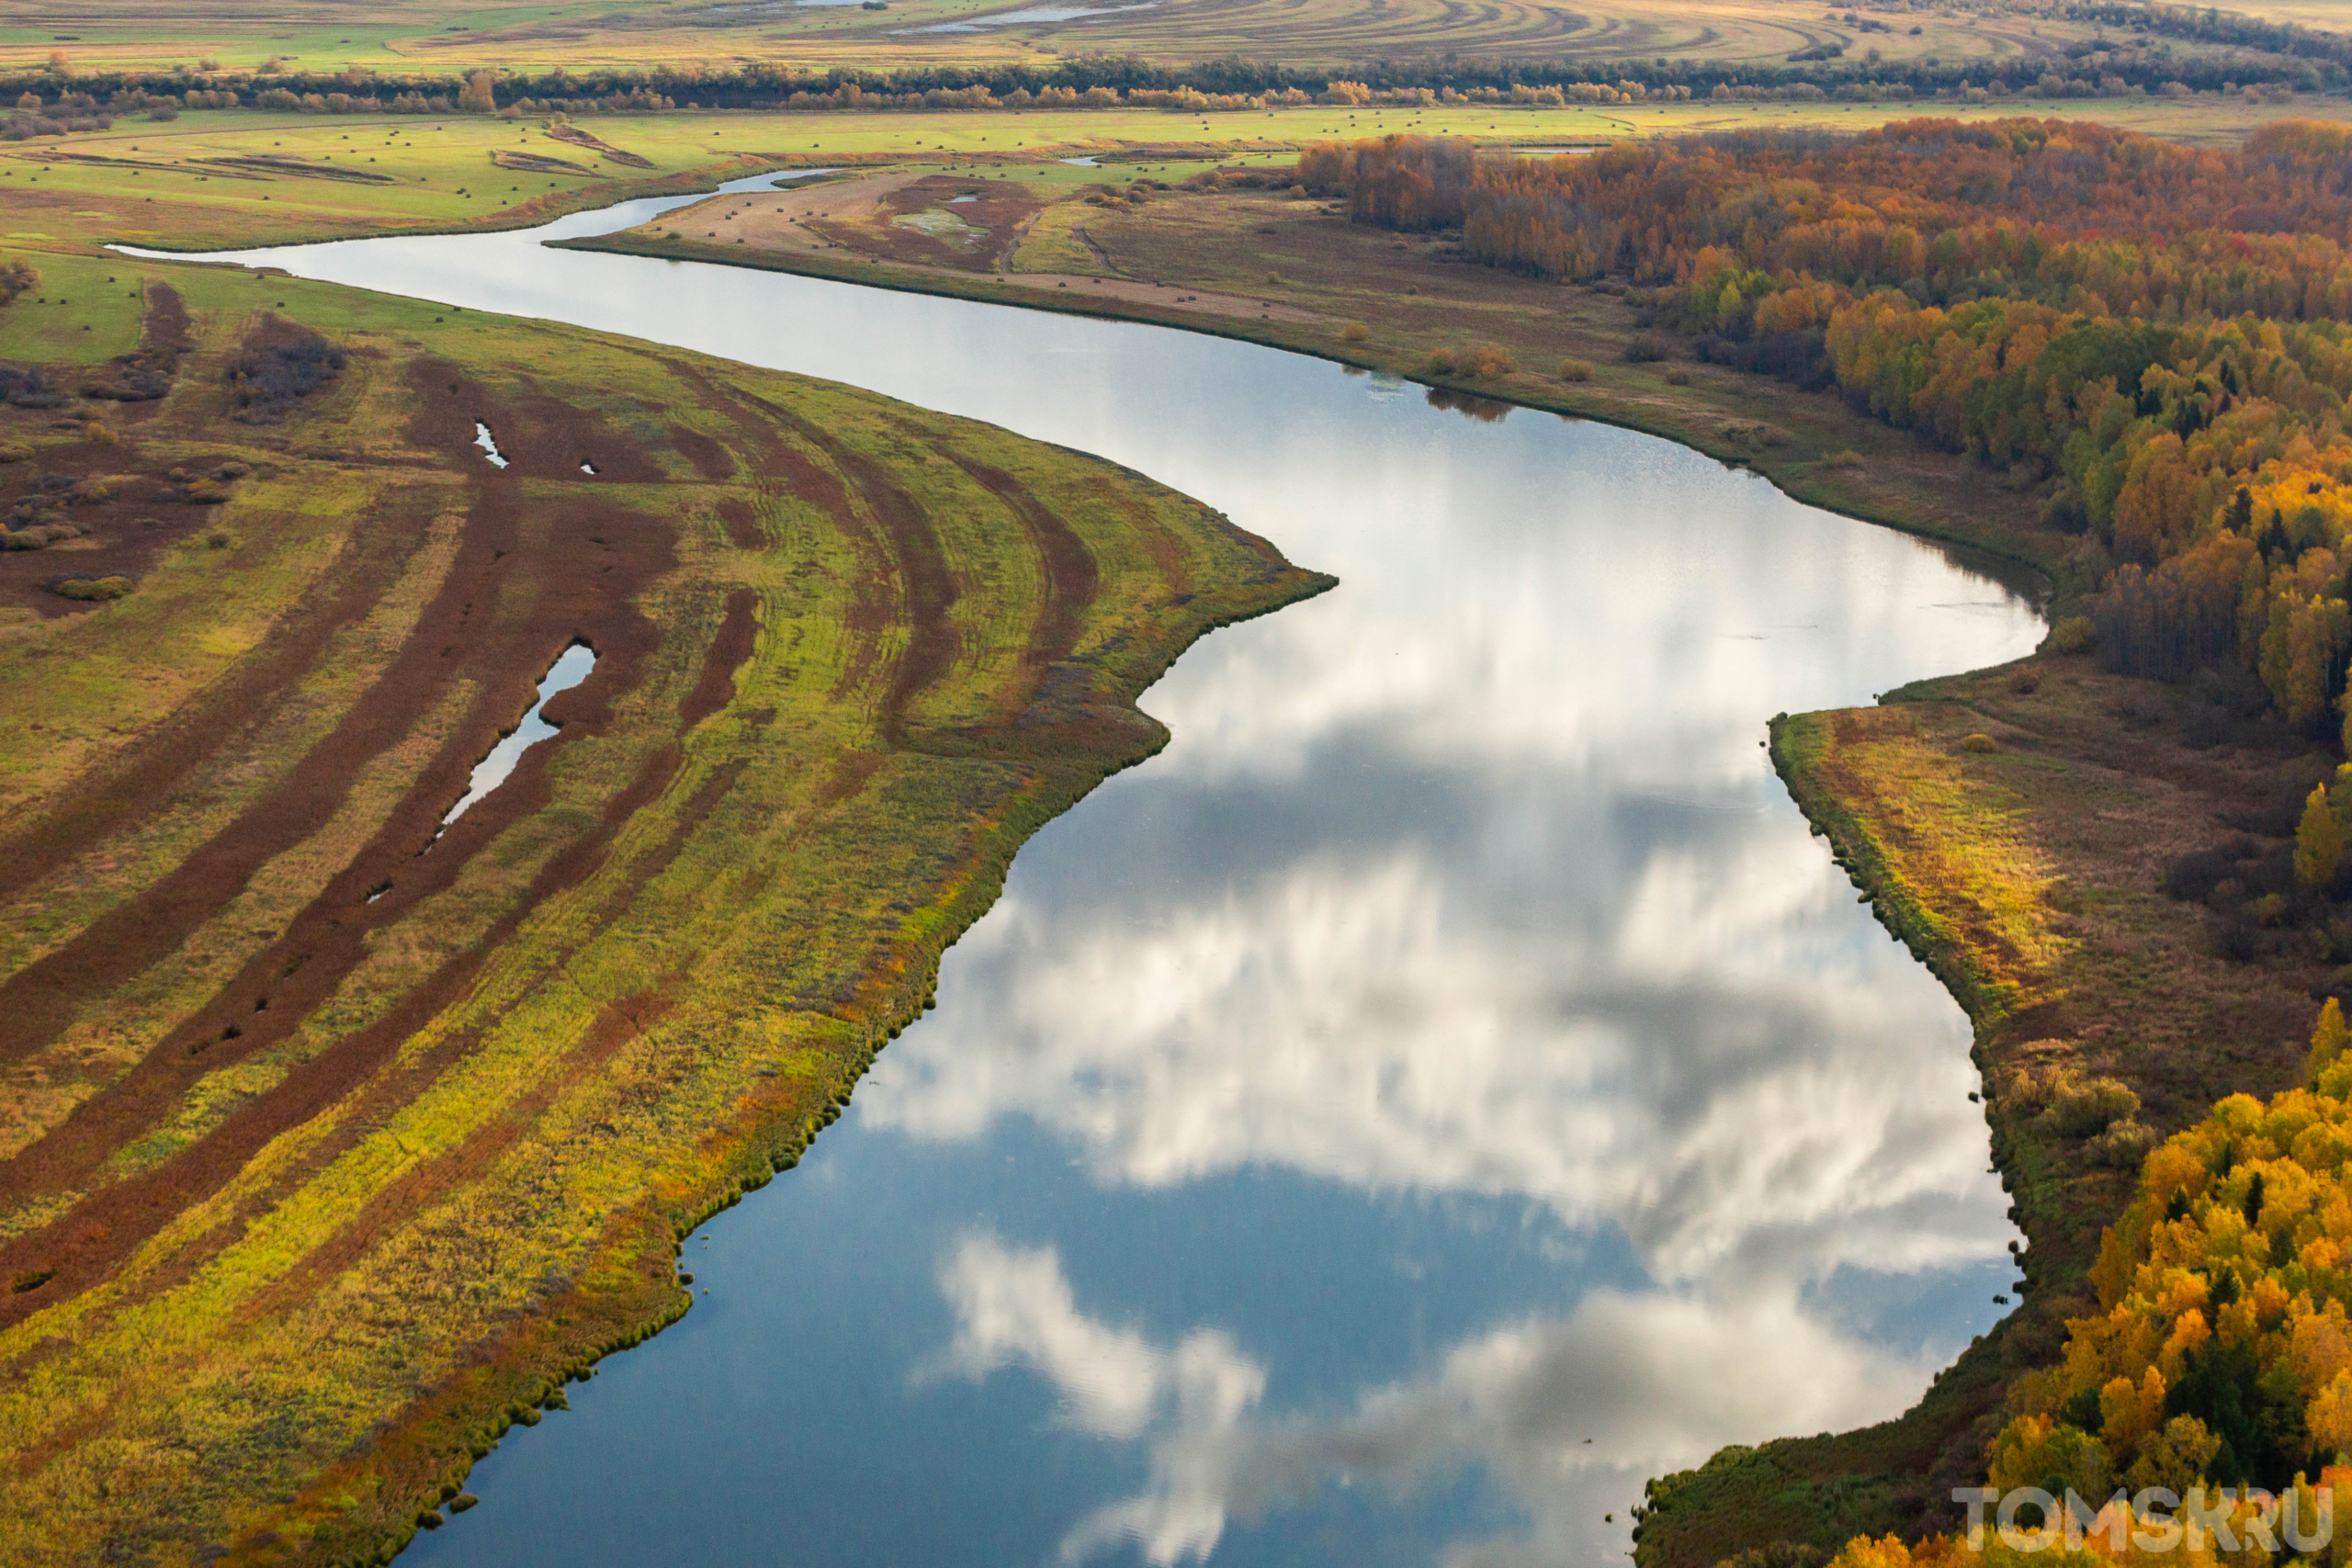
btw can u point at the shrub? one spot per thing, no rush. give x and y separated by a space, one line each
2125 1145
93 588
15 452
1645 349
269 378
1846 458
2070 1103
1354 332
1576 370
1799 357
1445 362
28 388
1487 359
2080 1108
1979 742
1678 377
2076 634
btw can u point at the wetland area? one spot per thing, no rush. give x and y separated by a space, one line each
1444 1087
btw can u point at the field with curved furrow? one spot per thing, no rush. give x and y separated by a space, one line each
401 36
332 1140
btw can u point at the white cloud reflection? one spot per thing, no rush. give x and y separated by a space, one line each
1470 880
1352 1021
1568 1414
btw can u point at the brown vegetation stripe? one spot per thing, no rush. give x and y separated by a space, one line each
303 969
457 634
873 609
153 768
40 999
93 1238
401 1201
1071 576
928 586
737 634
164 328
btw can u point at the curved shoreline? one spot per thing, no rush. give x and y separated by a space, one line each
2012 547
756 1150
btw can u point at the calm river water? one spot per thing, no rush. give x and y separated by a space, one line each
1446 1087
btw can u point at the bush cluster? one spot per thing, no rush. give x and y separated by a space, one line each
270 380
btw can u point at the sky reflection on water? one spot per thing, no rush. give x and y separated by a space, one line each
1444 1089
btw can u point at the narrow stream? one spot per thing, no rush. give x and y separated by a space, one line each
1445 1088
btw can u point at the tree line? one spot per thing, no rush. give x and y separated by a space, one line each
2091 70
2153 334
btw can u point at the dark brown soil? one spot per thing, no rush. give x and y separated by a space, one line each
998 208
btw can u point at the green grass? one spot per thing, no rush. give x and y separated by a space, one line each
85 309
615 1012
161 191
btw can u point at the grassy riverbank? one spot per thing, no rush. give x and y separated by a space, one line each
2013 826
333 1146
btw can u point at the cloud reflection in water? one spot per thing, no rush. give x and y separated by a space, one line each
1471 880
1565 1411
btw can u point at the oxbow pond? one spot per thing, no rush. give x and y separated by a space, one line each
1446 1087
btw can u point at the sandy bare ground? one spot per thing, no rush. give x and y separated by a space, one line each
826 219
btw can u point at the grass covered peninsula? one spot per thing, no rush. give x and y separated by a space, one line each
335 1141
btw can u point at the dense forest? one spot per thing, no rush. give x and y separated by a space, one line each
2156 336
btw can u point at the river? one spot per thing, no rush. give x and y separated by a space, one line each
1445 1088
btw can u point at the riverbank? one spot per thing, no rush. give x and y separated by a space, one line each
2014 827
336 1142
1257 264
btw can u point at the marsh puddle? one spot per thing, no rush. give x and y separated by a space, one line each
1445 1088
568 672
938 225
489 445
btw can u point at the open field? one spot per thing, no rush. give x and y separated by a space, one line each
395 36
331 1143
219 179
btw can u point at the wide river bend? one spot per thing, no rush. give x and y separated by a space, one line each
1444 1089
